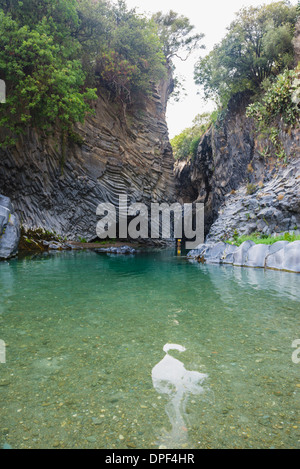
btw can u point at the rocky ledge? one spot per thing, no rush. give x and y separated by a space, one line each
9 229
278 256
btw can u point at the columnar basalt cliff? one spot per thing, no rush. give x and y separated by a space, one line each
58 189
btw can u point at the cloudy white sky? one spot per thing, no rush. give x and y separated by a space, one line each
209 17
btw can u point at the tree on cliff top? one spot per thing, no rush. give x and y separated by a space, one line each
178 41
175 32
40 63
132 57
258 45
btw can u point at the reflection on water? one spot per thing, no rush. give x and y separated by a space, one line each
226 278
170 377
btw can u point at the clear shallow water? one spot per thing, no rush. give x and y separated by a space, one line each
88 363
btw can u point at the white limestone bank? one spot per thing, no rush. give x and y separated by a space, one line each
278 256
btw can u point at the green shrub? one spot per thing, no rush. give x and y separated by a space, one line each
281 100
259 238
55 54
185 145
251 189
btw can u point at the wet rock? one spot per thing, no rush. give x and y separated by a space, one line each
215 252
228 254
256 256
287 258
6 446
280 256
97 421
199 251
9 229
116 250
240 255
55 246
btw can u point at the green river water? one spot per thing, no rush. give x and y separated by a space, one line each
147 351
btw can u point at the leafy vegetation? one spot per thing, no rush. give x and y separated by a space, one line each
133 57
256 58
176 33
185 145
281 100
280 103
39 61
55 54
258 238
258 45
178 41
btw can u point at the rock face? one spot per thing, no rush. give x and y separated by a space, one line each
241 189
230 158
9 229
117 155
273 208
221 163
278 256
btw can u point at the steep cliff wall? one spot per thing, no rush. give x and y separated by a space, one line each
117 155
230 159
221 162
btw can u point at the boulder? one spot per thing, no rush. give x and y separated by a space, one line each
256 256
240 255
287 258
214 253
277 246
9 229
228 254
